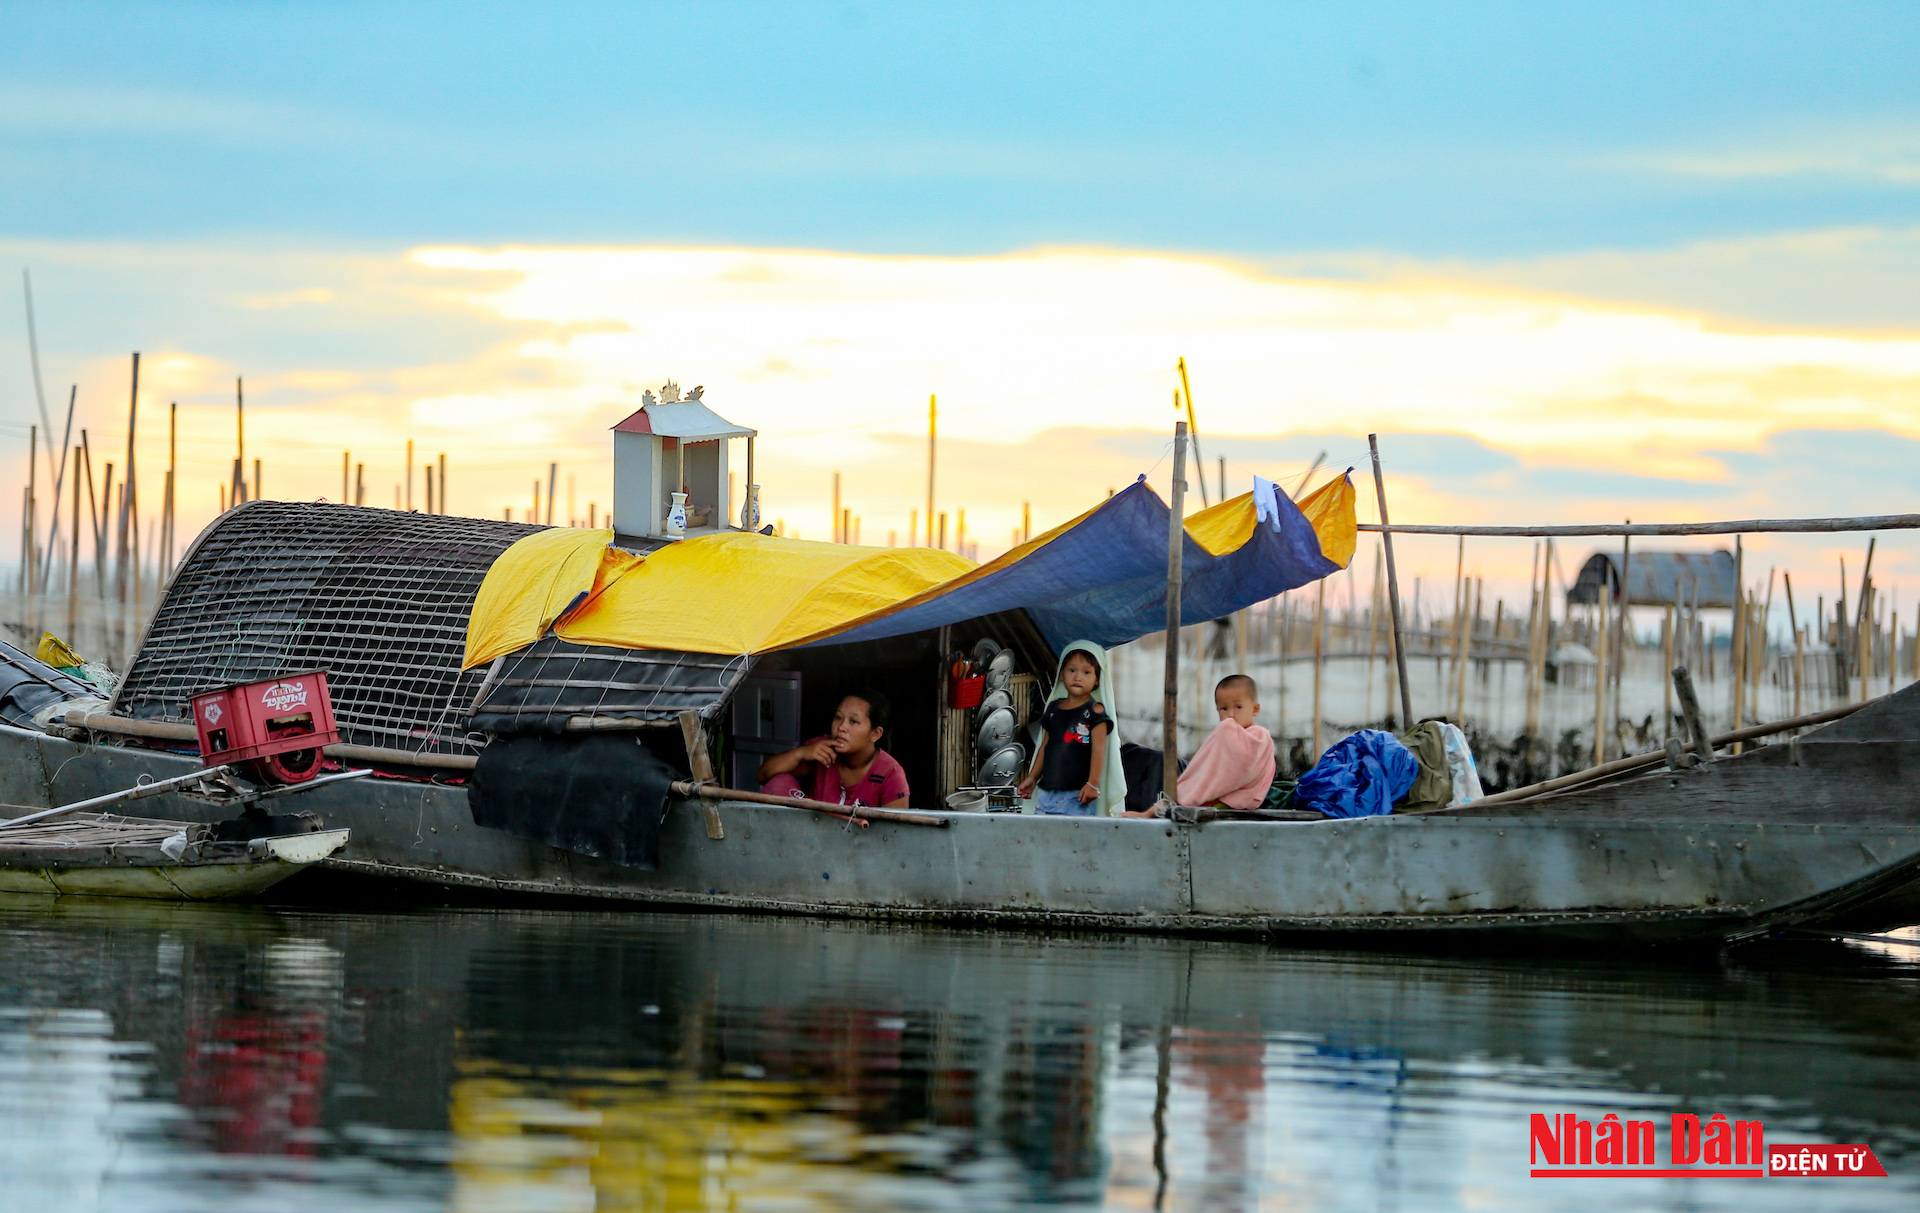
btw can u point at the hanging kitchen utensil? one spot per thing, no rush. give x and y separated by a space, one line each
999 670
1003 767
1002 698
983 651
996 729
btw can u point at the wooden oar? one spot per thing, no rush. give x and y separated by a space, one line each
707 791
137 792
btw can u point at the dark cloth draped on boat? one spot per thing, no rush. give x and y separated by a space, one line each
1145 770
1359 776
601 794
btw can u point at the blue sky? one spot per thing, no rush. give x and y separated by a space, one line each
1479 131
1584 260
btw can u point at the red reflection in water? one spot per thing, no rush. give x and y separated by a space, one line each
257 1078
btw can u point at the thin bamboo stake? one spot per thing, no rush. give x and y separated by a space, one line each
1319 657
239 486
441 462
1193 425
1176 535
1538 627
1865 636
933 436
1393 584
1737 650
1374 612
59 479
1457 622
1622 626
1749 526
1799 643
73 556
1666 663
1605 600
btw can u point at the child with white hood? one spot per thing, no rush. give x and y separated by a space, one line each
1076 768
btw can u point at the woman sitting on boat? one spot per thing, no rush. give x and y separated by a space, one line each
845 765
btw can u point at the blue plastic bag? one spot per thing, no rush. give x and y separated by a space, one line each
1360 776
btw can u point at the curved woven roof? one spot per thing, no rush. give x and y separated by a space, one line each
378 598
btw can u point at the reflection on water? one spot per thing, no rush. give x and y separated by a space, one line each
180 1057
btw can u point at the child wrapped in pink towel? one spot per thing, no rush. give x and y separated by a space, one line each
1234 767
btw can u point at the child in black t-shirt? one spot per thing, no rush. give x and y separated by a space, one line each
1075 731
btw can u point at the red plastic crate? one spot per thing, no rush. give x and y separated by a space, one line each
277 725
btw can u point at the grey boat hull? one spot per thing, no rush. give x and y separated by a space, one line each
1524 874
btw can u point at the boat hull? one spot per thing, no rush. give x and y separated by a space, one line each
158 881
1524 875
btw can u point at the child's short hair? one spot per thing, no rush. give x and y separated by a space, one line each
1234 681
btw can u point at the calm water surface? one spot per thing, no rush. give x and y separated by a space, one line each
240 1058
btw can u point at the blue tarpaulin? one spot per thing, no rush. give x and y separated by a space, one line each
1103 577
1359 776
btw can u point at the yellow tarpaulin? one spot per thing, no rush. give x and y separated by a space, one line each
533 582
743 593
728 593
1329 508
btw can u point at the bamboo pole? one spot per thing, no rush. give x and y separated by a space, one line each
1170 693
1319 657
1374 611
837 536
441 461
1749 526
1455 623
1622 627
1799 645
933 445
1539 637
73 556
1893 650
1863 632
857 813
60 476
1604 601
239 482
1666 663
1393 584
1737 650
1193 425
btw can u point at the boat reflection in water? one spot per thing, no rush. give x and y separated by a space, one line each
196 1057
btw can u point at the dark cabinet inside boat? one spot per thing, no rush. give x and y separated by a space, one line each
765 719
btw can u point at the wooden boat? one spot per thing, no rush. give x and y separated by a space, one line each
1820 831
103 855
1632 863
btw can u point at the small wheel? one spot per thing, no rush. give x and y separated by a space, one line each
294 766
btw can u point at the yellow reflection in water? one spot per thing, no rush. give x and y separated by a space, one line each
613 1140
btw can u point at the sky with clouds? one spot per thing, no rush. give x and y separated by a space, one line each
1571 261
